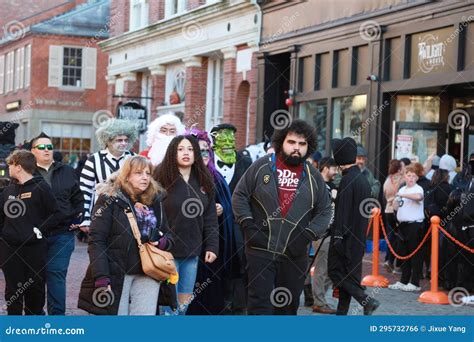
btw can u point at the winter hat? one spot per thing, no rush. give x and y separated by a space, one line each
361 152
447 162
344 151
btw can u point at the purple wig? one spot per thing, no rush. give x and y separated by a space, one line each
204 136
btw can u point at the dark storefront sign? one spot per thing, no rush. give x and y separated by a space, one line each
135 112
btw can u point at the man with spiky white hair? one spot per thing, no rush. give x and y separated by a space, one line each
116 136
159 135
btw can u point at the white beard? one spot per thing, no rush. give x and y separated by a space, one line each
158 148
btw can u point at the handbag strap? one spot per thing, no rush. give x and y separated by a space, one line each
134 225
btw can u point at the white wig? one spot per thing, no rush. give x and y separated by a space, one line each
165 119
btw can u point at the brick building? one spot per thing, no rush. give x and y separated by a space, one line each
52 74
191 56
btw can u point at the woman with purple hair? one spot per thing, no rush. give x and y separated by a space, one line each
216 276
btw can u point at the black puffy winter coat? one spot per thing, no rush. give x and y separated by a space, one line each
113 250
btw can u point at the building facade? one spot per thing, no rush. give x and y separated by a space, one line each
396 75
197 57
52 74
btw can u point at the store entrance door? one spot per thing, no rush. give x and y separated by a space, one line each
417 141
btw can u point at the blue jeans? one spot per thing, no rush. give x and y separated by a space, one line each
187 270
60 248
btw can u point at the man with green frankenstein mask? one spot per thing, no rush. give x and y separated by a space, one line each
232 164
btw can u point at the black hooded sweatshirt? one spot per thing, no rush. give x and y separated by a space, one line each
25 207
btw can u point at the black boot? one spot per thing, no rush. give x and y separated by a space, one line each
371 306
308 295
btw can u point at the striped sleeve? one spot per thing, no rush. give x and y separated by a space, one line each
87 185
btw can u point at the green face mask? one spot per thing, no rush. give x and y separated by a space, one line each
224 146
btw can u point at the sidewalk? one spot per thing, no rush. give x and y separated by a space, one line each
393 302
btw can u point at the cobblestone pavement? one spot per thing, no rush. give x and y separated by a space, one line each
393 302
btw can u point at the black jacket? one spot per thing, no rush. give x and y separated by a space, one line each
348 232
192 218
68 195
256 199
24 207
241 165
113 250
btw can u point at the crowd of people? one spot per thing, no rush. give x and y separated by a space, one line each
238 229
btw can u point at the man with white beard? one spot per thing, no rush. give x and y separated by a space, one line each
159 135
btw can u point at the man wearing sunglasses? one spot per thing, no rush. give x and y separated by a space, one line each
65 185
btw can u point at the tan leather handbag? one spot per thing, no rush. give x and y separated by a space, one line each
156 263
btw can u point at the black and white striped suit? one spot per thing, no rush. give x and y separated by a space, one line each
98 167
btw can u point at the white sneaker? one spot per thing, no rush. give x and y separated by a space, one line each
411 288
396 286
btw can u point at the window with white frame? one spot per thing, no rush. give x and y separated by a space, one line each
27 65
138 14
175 81
173 7
10 64
72 67
215 93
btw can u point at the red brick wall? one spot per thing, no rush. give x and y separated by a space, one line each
92 100
156 11
120 11
195 90
158 93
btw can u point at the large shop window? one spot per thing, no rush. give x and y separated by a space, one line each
315 113
69 139
348 117
72 67
411 108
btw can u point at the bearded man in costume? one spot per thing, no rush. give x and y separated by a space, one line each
159 135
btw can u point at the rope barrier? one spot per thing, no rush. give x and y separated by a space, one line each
457 242
371 221
412 253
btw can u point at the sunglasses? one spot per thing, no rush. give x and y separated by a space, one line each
205 153
43 147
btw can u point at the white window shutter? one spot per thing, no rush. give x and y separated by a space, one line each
55 66
2 73
89 68
17 69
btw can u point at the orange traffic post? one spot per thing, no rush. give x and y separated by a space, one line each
374 279
434 296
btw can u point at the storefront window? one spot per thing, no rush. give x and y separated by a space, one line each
315 113
417 108
348 116
423 144
69 139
